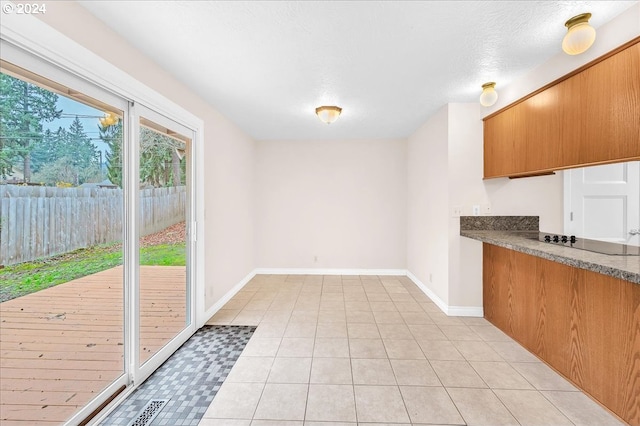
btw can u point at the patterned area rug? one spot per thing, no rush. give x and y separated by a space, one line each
189 379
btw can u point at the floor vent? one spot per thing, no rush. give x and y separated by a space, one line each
149 412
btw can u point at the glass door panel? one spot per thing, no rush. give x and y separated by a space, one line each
62 295
164 290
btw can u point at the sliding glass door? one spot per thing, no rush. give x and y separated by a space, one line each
95 243
163 211
62 285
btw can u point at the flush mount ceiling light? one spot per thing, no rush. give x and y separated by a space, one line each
580 35
328 114
489 95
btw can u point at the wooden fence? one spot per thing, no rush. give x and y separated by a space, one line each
38 222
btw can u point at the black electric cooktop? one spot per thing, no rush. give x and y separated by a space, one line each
589 245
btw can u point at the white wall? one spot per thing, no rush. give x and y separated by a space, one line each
343 201
428 204
465 171
228 173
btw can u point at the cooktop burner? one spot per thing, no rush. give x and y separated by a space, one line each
590 245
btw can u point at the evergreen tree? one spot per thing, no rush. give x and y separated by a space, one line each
112 136
79 147
46 152
66 156
25 107
160 164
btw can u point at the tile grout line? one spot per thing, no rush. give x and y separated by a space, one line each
353 383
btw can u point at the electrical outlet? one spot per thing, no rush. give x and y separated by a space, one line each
476 210
456 211
486 209
430 278
315 258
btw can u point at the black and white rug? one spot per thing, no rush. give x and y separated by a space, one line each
189 379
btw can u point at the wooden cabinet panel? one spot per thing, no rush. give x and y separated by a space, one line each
610 103
500 154
591 116
495 293
525 291
541 124
557 282
584 324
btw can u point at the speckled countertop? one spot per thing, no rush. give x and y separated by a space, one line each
624 267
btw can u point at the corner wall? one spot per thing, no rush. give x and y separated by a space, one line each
428 205
445 171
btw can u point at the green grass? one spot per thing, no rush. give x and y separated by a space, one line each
164 255
25 278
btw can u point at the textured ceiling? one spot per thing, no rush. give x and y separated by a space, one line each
389 65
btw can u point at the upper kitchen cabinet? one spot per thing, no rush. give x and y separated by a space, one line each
590 116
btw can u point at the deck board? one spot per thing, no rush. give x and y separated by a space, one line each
61 346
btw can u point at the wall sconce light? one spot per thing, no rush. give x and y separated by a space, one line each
580 35
489 95
328 114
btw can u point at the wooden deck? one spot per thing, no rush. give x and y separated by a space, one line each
61 346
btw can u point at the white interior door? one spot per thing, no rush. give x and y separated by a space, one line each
603 202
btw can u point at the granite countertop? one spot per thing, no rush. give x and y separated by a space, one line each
525 241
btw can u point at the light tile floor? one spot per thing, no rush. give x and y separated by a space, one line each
334 351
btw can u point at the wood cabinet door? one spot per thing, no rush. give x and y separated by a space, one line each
500 154
608 113
496 275
590 117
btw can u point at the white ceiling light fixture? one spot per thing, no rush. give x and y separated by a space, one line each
328 114
489 95
580 35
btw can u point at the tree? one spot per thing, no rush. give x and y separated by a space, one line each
46 152
160 164
25 107
65 156
5 159
7 154
111 134
79 146
59 171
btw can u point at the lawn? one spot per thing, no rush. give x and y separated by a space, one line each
29 277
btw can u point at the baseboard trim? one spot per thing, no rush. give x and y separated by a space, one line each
465 311
224 299
430 294
452 311
329 271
